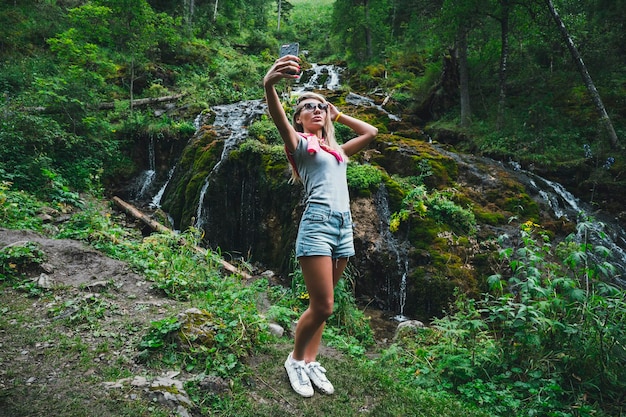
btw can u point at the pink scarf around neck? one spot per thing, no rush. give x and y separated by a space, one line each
314 145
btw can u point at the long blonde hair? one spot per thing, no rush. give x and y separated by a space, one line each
328 130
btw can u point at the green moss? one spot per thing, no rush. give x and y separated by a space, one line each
430 294
489 217
395 190
444 171
271 158
265 131
522 204
423 232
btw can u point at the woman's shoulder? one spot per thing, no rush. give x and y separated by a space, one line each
304 135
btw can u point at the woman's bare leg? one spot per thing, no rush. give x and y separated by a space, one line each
321 275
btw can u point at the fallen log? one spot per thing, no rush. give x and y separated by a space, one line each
111 104
156 226
144 101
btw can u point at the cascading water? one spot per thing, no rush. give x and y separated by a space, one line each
320 77
358 100
604 232
231 123
396 297
145 179
156 200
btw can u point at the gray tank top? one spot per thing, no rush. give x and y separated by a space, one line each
323 176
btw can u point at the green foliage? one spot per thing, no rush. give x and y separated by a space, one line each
546 341
308 24
160 333
363 178
216 336
39 156
436 205
174 262
264 130
101 231
20 259
18 209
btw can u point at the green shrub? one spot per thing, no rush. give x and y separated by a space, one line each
19 259
437 205
363 178
18 209
265 131
547 340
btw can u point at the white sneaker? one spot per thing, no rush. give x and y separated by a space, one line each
316 374
298 377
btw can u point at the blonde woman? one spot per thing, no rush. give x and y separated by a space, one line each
324 241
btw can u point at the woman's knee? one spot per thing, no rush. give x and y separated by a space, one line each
322 309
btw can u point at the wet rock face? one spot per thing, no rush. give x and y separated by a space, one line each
250 211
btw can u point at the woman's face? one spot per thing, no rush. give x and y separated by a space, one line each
312 115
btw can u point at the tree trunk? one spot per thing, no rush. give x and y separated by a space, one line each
132 83
156 226
368 31
504 57
461 54
595 96
189 10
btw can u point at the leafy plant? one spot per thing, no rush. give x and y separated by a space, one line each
539 343
363 178
86 310
18 209
160 333
437 205
18 259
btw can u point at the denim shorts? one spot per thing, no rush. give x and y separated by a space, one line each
325 232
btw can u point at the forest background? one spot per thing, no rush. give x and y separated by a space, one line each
504 76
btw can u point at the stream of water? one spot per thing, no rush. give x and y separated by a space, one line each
231 123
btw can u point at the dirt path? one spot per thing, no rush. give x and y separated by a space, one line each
58 350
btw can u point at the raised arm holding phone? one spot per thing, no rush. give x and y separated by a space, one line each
325 241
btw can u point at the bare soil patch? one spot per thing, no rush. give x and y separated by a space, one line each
59 349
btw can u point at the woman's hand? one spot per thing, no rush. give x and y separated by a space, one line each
333 111
287 66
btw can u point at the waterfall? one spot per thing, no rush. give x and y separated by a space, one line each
604 232
156 200
145 179
402 295
231 123
317 78
563 204
401 258
359 100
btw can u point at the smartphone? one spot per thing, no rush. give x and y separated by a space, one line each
289 49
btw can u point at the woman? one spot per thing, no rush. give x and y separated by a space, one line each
324 241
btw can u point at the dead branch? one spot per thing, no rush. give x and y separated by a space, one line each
156 226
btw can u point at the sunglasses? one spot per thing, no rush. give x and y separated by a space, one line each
312 106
